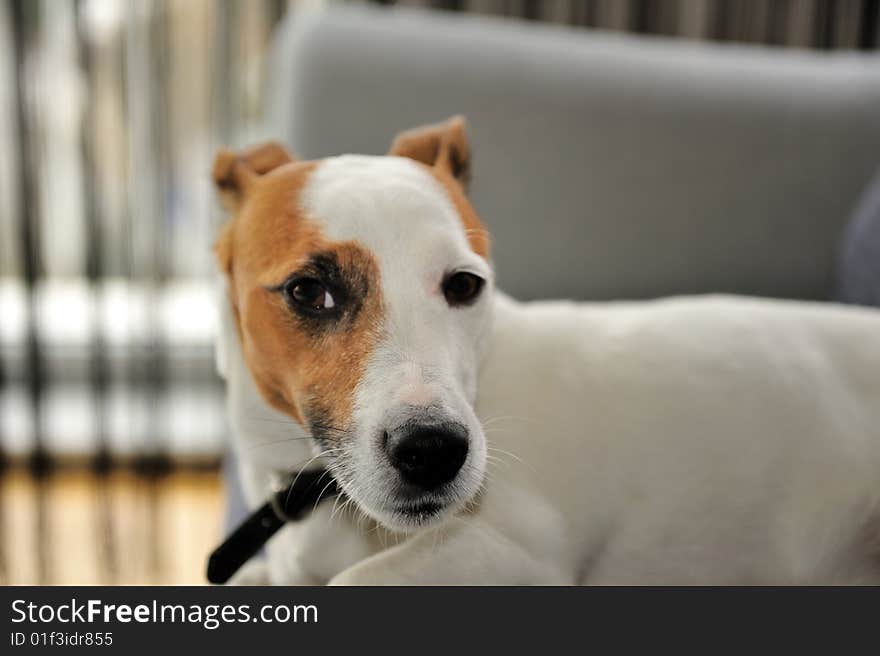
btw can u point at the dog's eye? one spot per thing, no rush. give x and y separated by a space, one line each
462 288
310 294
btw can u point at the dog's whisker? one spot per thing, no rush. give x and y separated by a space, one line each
351 508
500 418
272 420
496 462
318 500
338 506
434 542
275 442
333 508
326 472
345 508
299 463
360 517
505 452
302 469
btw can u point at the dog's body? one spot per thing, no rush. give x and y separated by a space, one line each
689 440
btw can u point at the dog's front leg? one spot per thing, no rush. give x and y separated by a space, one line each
463 552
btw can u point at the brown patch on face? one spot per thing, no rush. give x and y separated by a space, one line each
305 365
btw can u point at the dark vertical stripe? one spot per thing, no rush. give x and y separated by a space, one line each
823 24
530 10
639 16
869 24
777 18
25 22
720 27
448 5
591 13
576 14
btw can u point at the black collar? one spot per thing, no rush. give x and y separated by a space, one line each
296 499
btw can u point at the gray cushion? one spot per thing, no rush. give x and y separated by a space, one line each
605 165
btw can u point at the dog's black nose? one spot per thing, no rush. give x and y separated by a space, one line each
428 456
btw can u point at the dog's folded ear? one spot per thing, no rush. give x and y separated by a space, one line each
234 173
443 146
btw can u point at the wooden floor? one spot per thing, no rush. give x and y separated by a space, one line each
76 528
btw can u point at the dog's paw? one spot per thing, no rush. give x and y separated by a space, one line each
254 572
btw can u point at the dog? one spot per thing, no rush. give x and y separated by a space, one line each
480 440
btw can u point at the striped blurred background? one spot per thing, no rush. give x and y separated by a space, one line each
111 416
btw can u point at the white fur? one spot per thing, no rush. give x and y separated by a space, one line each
688 440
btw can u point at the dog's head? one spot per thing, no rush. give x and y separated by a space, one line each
361 290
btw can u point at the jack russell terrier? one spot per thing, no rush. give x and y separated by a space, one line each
479 440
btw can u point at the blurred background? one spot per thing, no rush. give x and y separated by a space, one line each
112 426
